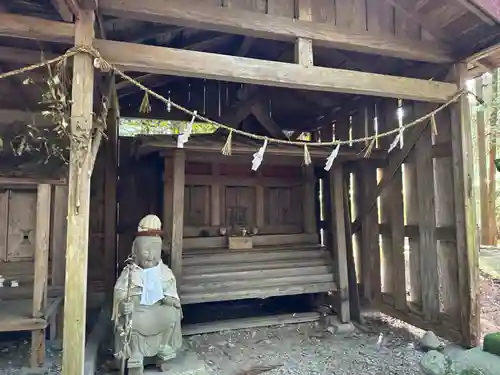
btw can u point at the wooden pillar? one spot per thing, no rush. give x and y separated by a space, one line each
75 292
309 201
179 176
59 224
339 242
41 268
111 180
465 213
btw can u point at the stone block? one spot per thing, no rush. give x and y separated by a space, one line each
186 363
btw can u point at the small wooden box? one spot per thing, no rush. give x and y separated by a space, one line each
240 243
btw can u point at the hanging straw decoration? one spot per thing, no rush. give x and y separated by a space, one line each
369 149
394 143
145 106
434 125
307 156
184 136
259 156
331 158
227 149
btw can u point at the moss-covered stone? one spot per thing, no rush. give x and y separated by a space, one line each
491 343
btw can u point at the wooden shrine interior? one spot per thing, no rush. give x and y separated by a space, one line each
421 40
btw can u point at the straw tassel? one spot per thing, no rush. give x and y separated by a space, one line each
369 149
227 149
434 125
307 155
145 106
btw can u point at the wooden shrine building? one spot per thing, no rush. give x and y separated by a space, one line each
299 70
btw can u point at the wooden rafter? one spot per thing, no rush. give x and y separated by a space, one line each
490 7
261 25
259 112
63 9
16 26
161 60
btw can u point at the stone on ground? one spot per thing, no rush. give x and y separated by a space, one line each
491 343
186 363
430 341
434 363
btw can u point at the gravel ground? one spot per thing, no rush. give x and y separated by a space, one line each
379 348
490 305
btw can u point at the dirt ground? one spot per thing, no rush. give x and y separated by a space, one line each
490 305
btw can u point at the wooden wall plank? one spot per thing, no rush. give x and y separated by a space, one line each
338 220
41 271
427 221
283 8
411 212
58 246
215 190
309 200
323 11
167 200
22 225
4 223
351 14
445 217
179 166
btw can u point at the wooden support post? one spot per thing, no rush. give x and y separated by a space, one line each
59 224
111 178
75 293
304 46
259 203
427 220
41 268
179 176
465 214
340 243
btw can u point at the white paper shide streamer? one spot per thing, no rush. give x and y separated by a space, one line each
331 158
259 156
184 136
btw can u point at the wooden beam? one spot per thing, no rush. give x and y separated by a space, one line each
258 25
179 175
63 9
465 215
15 26
162 60
75 293
41 271
264 118
490 7
23 56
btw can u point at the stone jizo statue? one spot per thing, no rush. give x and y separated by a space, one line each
147 315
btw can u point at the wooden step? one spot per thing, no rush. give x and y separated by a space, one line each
273 291
255 283
243 323
249 256
252 266
231 274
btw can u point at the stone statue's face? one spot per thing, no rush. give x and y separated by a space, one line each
147 251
